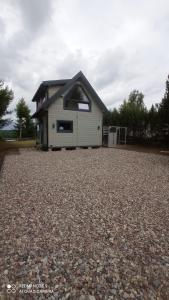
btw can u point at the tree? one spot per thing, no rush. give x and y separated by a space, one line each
164 106
133 113
115 117
112 118
24 124
107 118
30 128
154 119
6 97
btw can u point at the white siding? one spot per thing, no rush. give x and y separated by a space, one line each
85 126
52 90
88 132
56 112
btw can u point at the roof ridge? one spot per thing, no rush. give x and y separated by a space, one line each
68 84
53 80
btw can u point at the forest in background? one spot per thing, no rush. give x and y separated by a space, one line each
143 125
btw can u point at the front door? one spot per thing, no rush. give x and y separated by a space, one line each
112 139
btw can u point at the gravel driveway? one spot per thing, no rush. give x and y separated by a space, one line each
89 224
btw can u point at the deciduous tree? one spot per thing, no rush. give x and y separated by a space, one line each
24 124
133 113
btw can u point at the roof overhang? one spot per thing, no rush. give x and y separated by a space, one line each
45 84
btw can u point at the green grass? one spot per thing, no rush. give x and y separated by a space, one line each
4 145
8 134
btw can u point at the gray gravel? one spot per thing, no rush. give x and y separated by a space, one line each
89 224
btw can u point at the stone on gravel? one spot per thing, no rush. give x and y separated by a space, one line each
88 224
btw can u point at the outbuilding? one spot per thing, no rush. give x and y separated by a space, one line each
69 113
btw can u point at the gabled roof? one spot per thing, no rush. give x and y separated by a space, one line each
42 88
68 84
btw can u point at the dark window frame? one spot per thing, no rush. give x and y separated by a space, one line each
65 98
64 121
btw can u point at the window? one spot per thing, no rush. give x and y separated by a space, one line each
83 106
64 126
77 100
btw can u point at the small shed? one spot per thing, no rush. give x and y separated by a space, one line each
114 135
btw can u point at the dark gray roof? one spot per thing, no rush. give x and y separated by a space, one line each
55 82
43 86
79 76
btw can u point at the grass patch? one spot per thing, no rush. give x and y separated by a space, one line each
4 145
8 134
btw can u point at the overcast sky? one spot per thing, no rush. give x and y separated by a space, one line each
119 45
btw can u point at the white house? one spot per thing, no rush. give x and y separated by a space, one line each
69 113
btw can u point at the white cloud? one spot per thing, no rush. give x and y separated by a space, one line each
119 45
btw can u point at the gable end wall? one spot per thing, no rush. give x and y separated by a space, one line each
85 126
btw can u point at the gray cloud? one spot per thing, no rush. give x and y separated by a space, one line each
33 16
71 64
2 27
120 46
109 67
36 13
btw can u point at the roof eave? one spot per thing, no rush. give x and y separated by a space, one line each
41 88
38 113
45 84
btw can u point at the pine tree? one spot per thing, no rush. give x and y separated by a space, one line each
6 96
164 106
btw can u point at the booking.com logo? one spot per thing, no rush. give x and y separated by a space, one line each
11 288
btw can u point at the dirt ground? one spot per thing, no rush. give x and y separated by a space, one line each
84 224
145 149
7 148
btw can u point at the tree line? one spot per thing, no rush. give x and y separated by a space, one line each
142 123
24 125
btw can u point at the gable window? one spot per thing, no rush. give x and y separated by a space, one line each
83 106
64 126
77 100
